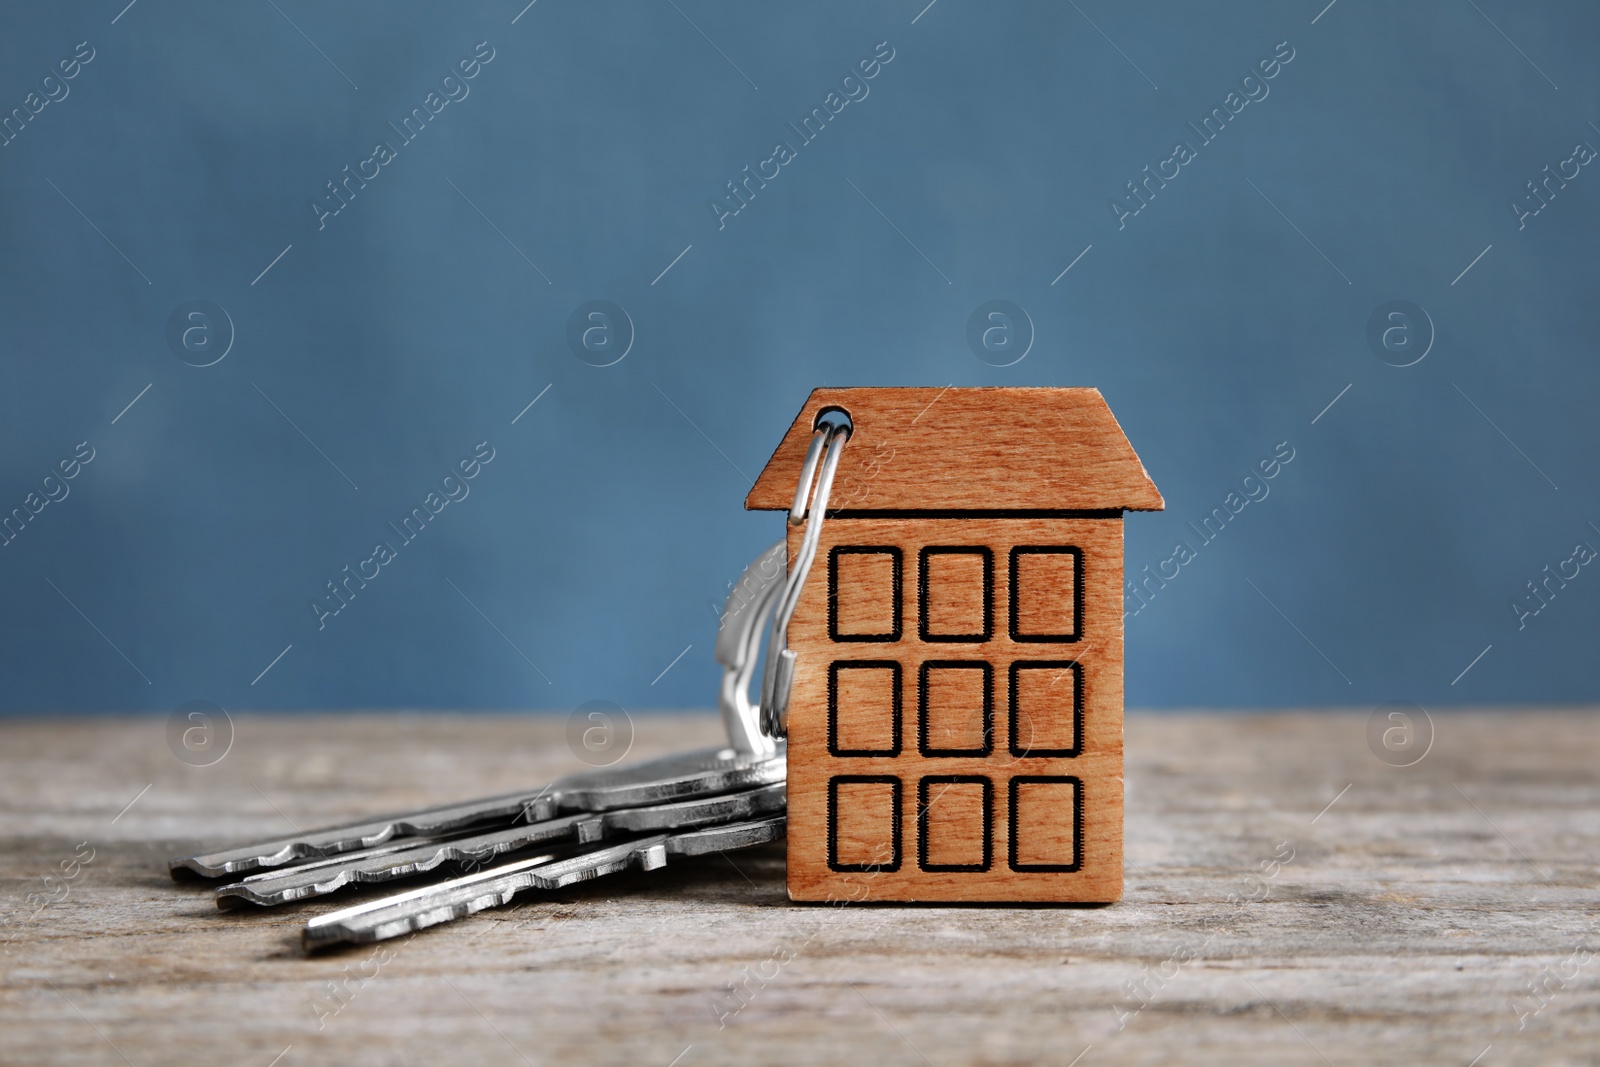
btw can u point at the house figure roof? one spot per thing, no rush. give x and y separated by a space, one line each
998 449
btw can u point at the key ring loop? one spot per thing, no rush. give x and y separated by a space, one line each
763 592
778 677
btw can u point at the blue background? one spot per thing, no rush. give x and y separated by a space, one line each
598 542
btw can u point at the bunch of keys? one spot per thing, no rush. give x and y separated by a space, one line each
577 828
580 827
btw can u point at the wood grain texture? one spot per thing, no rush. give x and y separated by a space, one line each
866 581
968 448
1053 830
1411 913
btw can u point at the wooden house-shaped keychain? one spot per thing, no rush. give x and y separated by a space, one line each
955 719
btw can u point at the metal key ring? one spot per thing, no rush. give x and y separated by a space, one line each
756 597
778 677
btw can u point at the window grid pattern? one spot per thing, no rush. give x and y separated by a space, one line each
1043 702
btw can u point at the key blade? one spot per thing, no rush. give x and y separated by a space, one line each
457 898
404 913
535 806
400 860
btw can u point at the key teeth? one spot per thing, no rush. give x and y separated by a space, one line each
237 893
238 860
198 867
332 935
288 854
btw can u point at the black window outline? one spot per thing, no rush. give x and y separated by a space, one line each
1077 707
1017 781
833 823
896 581
988 821
833 705
1077 594
988 707
988 593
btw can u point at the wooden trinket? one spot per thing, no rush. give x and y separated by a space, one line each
955 720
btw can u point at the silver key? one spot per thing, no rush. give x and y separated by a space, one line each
457 898
347 837
405 858
703 772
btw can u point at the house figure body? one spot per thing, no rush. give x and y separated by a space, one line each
955 722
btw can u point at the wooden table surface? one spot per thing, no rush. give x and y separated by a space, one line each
1400 925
